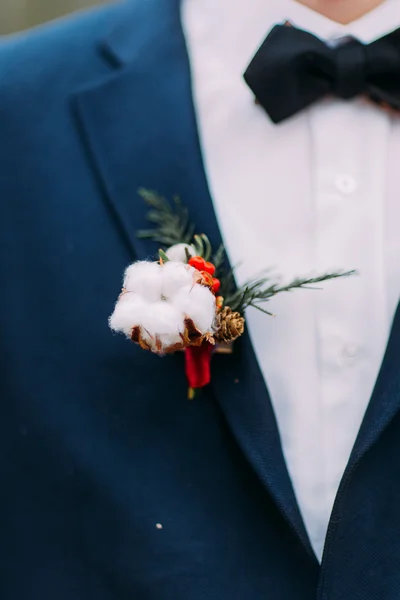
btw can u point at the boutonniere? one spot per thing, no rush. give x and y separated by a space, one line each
187 300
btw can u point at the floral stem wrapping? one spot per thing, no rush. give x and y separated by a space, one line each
198 366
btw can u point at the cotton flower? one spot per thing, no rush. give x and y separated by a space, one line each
178 252
163 307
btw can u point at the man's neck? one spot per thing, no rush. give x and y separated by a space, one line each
342 11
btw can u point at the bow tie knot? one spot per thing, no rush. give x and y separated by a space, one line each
350 70
293 68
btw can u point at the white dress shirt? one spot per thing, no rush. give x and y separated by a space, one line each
320 191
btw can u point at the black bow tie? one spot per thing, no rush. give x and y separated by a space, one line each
293 68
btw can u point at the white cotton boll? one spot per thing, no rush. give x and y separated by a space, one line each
158 299
162 318
144 278
175 275
127 313
198 303
164 321
177 253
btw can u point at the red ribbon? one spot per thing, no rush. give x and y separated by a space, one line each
198 365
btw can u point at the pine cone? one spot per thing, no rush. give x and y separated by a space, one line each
230 326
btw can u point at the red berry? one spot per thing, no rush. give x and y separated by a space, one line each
216 285
197 262
209 267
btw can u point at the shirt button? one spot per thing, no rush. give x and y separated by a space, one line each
346 184
350 350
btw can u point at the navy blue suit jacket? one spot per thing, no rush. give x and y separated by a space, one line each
98 443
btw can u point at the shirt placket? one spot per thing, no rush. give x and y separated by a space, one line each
349 142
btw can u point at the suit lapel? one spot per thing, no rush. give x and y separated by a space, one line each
141 131
138 128
385 400
243 396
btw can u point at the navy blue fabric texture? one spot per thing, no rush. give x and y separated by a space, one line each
113 485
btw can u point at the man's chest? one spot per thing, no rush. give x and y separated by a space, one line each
316 193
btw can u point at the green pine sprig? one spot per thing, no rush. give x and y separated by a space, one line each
257 292
202 246
171 223
219 258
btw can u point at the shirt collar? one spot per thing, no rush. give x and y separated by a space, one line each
230 31
375 24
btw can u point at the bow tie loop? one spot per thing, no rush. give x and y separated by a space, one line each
349 78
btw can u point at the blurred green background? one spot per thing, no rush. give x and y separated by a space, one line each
16 15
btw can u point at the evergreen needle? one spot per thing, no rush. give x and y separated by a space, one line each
171 223
258 291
